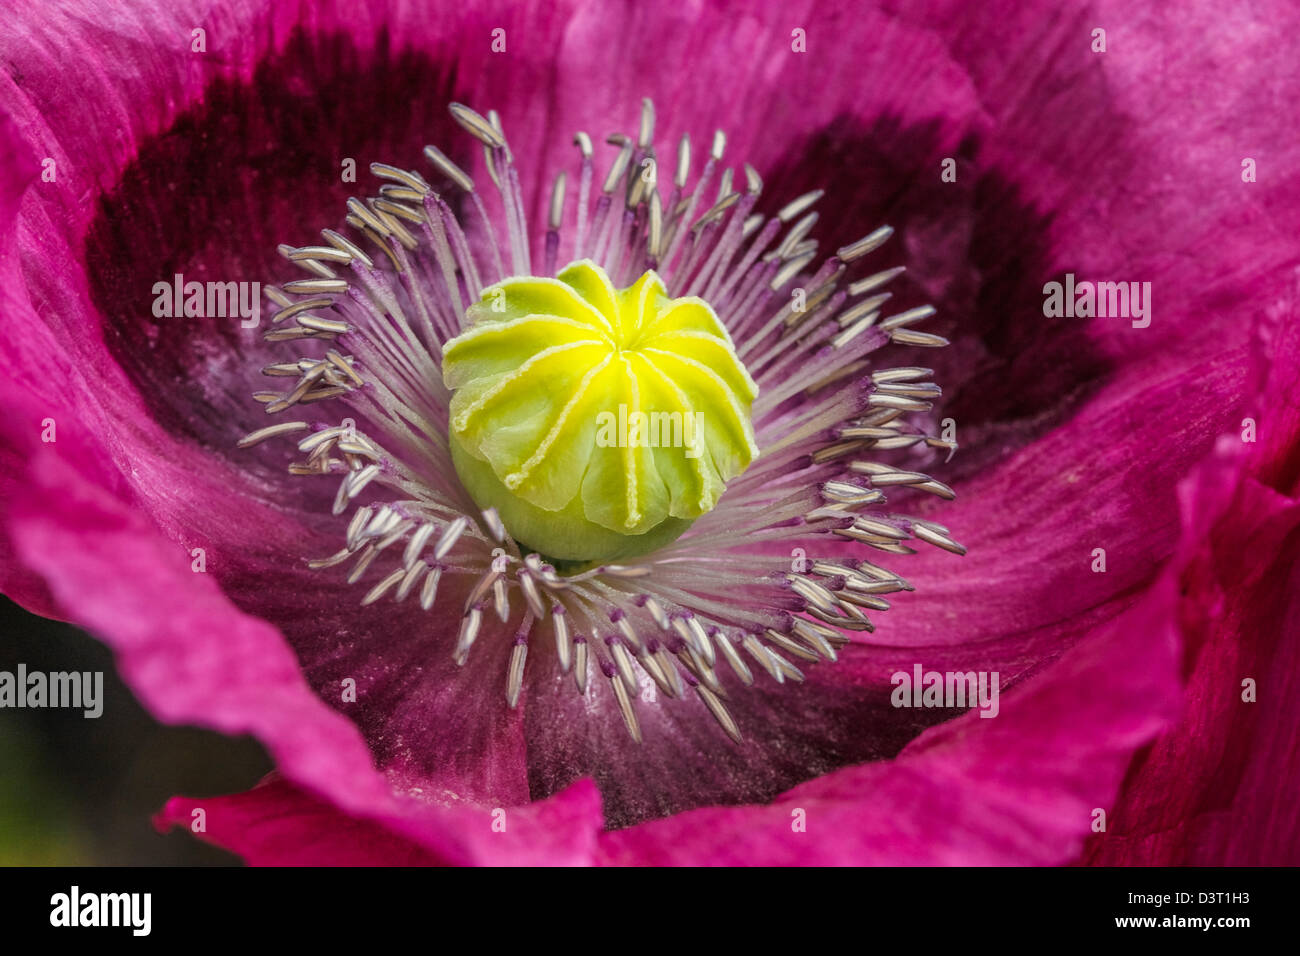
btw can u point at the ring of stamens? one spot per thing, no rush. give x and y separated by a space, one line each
378 308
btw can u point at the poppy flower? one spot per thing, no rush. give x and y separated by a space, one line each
472 611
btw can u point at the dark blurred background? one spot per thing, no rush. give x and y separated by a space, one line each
80 792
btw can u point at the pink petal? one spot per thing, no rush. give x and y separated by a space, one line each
1019 788
277 824
1218 788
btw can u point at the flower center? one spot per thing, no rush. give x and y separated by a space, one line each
488 419
599 423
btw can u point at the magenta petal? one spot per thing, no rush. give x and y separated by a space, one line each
1219 788
1019 788
234 673
16 580
184 649
278 824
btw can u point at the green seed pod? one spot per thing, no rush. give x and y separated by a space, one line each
598 422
